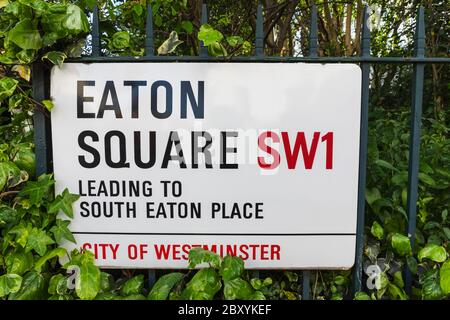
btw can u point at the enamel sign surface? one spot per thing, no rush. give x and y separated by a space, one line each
258 160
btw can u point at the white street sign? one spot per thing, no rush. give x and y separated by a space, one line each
258 160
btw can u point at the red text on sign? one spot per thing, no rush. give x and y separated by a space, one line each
292 149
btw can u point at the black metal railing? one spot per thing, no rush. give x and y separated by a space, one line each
42 121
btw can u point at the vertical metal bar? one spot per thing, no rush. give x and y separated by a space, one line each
259 52
41 119
414 143
149 51
151 278
306 285
313 32
204 19
365 68
259 34
312 54
95 33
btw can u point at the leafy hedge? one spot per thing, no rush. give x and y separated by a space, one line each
31 230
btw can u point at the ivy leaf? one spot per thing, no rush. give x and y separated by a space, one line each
9 283
36 190
25 158
216 49
38 240
3 3
401 244
203 286
55 57
398 279
48 104
14 101
19 262
386 165
9 174
105 281
76 49
412 264
133 286
56 282
234 40
258 295
137 9
21 232
120 40
209 35
7 87
444 275
198 256
87 282
425 178
26 56
377 230
75 20
23 71
38 5
170 44
396 293
446 232
107 296
433 252
33 288
237 289
362 296
61 231
64 202
431 289
158 20
7 215
372 195
26 35
187 26
57 252
231 268
162 287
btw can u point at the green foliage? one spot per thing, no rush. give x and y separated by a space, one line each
198 256
433 252
32 218
120 40
7 87
386 197
133 286
26 35
222 273
401 244
31 26
28 250
32 287
169 45
203 286
87 279
209 35
57 58
9 283
162 288
445 278
64 202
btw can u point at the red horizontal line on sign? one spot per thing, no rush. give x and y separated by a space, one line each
217 234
